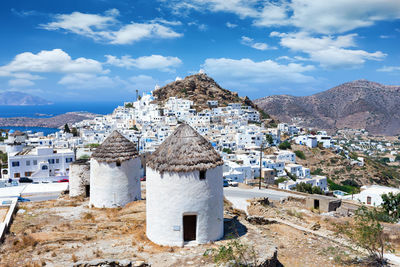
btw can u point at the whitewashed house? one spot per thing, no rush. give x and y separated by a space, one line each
40 162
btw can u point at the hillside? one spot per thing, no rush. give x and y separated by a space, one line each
53 122
199 88
339 169
12 98
358 104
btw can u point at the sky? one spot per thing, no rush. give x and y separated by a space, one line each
105 50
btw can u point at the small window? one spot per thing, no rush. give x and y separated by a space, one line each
118 163
15 163
44 167
57 160
369 200
202 175
34 162
28 163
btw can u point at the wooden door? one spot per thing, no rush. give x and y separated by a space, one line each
189 227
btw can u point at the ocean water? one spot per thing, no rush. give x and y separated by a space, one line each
57 109
53 110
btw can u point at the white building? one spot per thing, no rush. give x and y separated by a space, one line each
40 162
372 195
306 140
114 173
184 191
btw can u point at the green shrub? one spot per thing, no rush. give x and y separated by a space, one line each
345 188
280 180
308 188
300 154
317 171
285 145
227 150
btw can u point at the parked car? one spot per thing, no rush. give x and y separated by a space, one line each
143 178
232 183
63 181
25 180
21 199
226 184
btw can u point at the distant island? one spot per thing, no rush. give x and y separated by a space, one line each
53 122
15 98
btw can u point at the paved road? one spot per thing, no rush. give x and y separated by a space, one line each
41 197
239 196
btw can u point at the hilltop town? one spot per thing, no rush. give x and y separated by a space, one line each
300 180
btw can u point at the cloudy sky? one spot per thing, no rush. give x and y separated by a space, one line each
103 50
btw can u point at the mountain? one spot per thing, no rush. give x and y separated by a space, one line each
14 98
357 104
199 88
53 122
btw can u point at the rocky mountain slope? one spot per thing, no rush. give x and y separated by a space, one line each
199 88
13 98
358 104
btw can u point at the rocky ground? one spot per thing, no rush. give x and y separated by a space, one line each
307 238
66 231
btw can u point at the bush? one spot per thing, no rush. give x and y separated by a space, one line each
285 145
317 171
300 154
308 188
367 233
129 105
280 180
345 188
227 150
397 158
391 205
234 253
350 183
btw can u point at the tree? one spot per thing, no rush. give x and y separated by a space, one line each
308 188
129 105
269 139
397 158
367 233
285 145
74 131
391 205
66 128
227 150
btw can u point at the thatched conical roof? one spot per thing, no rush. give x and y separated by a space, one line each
115 148
184 151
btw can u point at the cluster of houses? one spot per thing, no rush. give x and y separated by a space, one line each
235 131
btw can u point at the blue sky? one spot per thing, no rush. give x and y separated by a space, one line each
103 50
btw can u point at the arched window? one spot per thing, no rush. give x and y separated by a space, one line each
44 167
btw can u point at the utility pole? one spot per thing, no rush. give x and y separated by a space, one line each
137 94
261 151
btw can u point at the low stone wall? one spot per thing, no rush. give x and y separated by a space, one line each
4 226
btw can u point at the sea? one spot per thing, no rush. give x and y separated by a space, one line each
46 111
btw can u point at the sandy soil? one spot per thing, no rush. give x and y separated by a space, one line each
3 213
64 231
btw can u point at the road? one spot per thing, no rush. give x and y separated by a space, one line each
239 196
41 197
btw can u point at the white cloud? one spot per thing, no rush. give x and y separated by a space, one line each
107 27
262 72
319 16
146 62
250 42
389 68
142 82
20 83
330 52
88 81
231 25
55 60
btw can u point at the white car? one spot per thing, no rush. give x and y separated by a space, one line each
232 183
